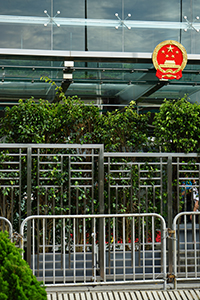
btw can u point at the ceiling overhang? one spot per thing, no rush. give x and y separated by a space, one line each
100 56
100 76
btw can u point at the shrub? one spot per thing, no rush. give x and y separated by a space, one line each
17 281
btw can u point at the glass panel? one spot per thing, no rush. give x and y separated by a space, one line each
41 37
69 9
104 9
153 10
25 8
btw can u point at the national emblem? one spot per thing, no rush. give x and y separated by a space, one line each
169 59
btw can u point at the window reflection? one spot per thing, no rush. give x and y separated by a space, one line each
77 35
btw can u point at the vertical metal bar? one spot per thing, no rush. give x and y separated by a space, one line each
124 253
131 192
43 249
101 211
69 211
114 249
195 246
146 202
153 247
4 209
116 207
33 237
185 237
92 191
64 279
12 200
198 217
74 233
29 151
69 172
22 239
164 249
139 221
20 186
178 203
38 212
177 189
143 247
85 209
53 200
133 247
84 251
169 212
54 263
101 180
174 255
109 202
94 249
61 196
161 185
154 193
61 188
109 246
104 251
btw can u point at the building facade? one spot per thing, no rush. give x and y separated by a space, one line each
98 50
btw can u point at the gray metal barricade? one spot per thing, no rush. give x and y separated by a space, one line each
97 249
186 247
3 223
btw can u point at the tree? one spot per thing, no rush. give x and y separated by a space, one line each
124 131
69 120
177 126
16 278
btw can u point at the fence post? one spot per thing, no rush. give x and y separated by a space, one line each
101 211
169 212
29 150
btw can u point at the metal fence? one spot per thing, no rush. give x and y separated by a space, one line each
40 179
68 179
186 247
49 179
97 249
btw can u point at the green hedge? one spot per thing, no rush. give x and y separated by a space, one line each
16 279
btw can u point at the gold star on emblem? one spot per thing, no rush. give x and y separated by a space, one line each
170 48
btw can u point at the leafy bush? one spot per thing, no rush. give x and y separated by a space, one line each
70 121
177 126
16 279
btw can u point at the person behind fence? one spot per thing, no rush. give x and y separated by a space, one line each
195 197
186 194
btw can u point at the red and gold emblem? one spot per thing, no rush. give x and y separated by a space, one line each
169 59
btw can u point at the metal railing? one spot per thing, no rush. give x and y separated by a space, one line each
92 250
6 224
69 179
186 247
